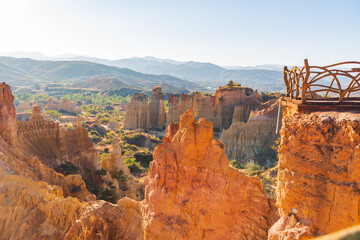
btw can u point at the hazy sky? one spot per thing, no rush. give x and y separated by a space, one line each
223 32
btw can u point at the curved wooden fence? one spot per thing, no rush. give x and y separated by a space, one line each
327 83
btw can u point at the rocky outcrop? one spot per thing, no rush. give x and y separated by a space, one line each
38 203
141 113
177 106
63 105
136 112
226 98
191 193
103 220
7 115
55 146
319 169
228 104
119 174
156 116
253 140
23 106
34 209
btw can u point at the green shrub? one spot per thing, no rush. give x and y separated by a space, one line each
108 195
253 169
132 165
101 172
155 140
137 139
67 168
144 158
102 156
119 175
236 164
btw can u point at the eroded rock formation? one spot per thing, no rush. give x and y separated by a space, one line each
63 105
119 174
23 106
141 113
191 193
55 146
38 203
156 116
319 169
7 115
254 138
103 220
229 103
177 106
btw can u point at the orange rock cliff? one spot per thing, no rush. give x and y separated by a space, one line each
318 179
191 193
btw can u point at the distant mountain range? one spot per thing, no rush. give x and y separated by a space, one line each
25 71
262 77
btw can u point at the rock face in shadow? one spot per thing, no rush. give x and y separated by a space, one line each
319 170
141 113
55 146
156 116
228 104
191 193
7 115
255 137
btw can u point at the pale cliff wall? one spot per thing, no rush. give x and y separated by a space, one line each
319 170
221 109
191 193
141 113
177 106
156 116
63 105
136 112
254 138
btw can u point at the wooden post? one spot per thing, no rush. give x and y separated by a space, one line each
305 81
286 81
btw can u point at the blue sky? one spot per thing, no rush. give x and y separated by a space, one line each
223 32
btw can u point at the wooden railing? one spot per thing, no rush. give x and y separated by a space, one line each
323 83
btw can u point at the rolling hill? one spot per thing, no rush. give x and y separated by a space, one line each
262 77
25 71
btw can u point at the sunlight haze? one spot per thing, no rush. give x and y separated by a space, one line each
222 32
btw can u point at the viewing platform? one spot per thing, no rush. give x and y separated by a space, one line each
334 87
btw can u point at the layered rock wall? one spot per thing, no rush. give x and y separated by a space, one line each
191 193
228 104
141 113
177 106
319 170
251 140
55 146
